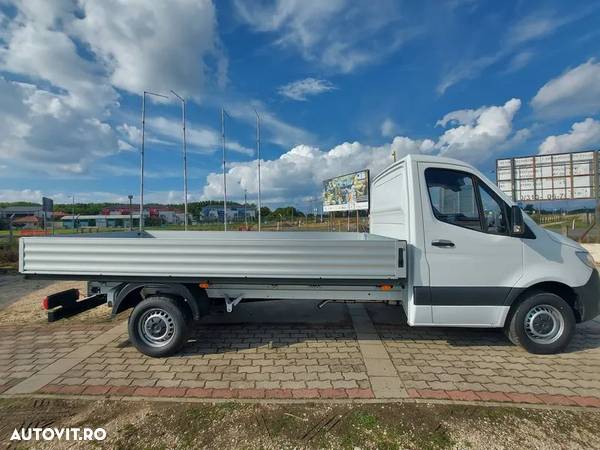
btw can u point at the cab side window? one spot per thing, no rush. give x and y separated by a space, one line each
453 197
494 211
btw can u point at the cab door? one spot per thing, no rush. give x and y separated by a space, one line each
473 260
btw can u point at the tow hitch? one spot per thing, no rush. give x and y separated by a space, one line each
66 304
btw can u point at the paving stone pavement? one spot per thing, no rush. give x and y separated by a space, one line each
471 364
369 353
24 351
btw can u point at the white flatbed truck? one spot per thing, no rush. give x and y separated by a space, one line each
445 243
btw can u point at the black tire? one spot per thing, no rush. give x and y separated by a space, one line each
543 323
158 326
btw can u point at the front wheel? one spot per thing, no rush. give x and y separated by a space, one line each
158 326
543 323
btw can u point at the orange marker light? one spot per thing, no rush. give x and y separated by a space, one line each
203 285
386 287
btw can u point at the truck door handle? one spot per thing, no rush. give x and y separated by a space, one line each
442 243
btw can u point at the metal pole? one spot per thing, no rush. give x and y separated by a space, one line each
596 175
141 224
73 212
142 155
258 160
224 173
130 213
245 208
185 182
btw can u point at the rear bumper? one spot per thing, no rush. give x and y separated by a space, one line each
588 297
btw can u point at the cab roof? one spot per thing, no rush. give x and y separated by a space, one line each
408 159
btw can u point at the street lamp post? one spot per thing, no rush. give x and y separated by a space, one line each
185 183
142 155
258 164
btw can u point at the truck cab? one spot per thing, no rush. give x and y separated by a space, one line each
475 260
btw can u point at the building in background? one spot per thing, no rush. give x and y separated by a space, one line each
157 214
27 222
100 221
22 211
215 213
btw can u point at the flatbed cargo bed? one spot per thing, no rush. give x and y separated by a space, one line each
195 255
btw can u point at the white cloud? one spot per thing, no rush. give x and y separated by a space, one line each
340 35
519 61
536 26
41 130
478 131
200 139
575 92
301 89
273 129
137 41
35 196
131 133
49 55
74 56
301 171
388 128
466 70
477 136
583 136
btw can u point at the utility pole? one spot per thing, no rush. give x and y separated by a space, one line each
142 156
185 181
73 212
224 169
130 213
258 164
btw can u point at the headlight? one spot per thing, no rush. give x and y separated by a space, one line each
587 259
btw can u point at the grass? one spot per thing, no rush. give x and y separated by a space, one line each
9 254
158 425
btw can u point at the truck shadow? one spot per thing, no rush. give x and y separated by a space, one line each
394 327
292 325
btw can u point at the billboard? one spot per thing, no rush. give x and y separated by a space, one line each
347 192
561 176
47 204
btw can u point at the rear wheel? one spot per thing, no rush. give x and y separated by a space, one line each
543 323
158 326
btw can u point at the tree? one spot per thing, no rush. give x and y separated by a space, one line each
285 213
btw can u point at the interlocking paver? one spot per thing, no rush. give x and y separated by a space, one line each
308 361
491 367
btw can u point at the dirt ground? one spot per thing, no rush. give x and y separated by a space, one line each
20 300
158 425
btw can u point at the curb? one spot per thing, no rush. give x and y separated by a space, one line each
416 401
426 395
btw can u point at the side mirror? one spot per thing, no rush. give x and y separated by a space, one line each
517 226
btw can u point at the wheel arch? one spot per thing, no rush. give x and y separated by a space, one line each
132 294
564 291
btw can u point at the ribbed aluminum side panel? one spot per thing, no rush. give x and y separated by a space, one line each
362 257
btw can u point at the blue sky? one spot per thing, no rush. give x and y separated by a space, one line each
339 85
